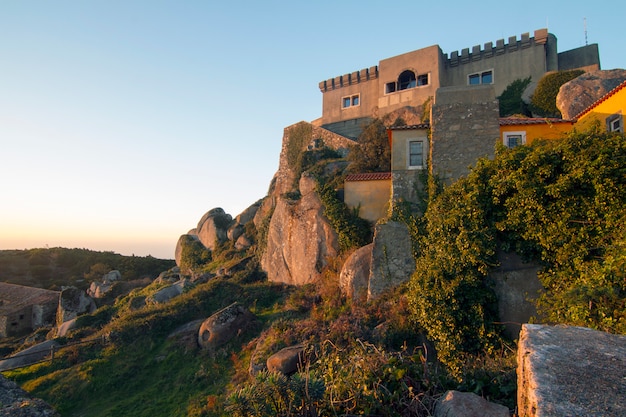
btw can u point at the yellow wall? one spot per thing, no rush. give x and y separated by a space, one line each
545 130
613 103
400 146
372 197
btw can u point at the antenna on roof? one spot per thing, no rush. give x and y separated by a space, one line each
585 23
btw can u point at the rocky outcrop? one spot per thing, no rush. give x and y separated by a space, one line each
15 402
65 327
287 361
392 259
467 404
100 289
72 303
300 239
570 371
213 227
355 273
165 294
581 92
224 326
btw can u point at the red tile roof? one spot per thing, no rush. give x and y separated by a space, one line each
516 121
601 99
369 176
411 127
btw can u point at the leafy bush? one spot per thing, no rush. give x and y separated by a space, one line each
560 203
373 153
543 99
352 230
511 98
193 254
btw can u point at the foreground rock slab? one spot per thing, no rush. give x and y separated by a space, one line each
570 371
15 402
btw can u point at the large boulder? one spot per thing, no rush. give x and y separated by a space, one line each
223 326
213 227
581 92
570 371
74 302
237 228
102 288
287 361
300 239
467 404
165 294
355 273
392 258
15 402
183 240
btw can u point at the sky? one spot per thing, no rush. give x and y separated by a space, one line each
123 121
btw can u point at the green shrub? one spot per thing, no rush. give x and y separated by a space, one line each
352 230
543 99
511 98
373 153
193 254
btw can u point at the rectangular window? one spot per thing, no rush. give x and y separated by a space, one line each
422 79
416 154
484 77
513 139
390 88
615 123
350 101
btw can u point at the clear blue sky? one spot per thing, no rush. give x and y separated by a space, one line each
123 122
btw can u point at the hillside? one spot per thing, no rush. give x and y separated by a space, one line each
559 204
51 268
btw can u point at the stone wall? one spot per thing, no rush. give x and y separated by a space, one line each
464 128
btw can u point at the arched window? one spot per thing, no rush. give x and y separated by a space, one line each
407 80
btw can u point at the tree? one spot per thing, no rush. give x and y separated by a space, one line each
373 153
511 98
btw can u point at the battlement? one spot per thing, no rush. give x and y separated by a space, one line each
355 77
489 49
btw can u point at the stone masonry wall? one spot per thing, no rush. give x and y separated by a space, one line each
464 128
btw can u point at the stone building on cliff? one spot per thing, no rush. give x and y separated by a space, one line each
411 79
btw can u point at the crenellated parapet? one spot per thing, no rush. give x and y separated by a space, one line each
355 77
476 53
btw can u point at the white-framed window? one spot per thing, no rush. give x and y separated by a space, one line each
484 77
615 123
416 154
513 139
350 101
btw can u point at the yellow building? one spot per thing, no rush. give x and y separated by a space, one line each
369 193
608 111
516 131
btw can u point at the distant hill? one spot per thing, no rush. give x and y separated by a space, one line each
55 267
